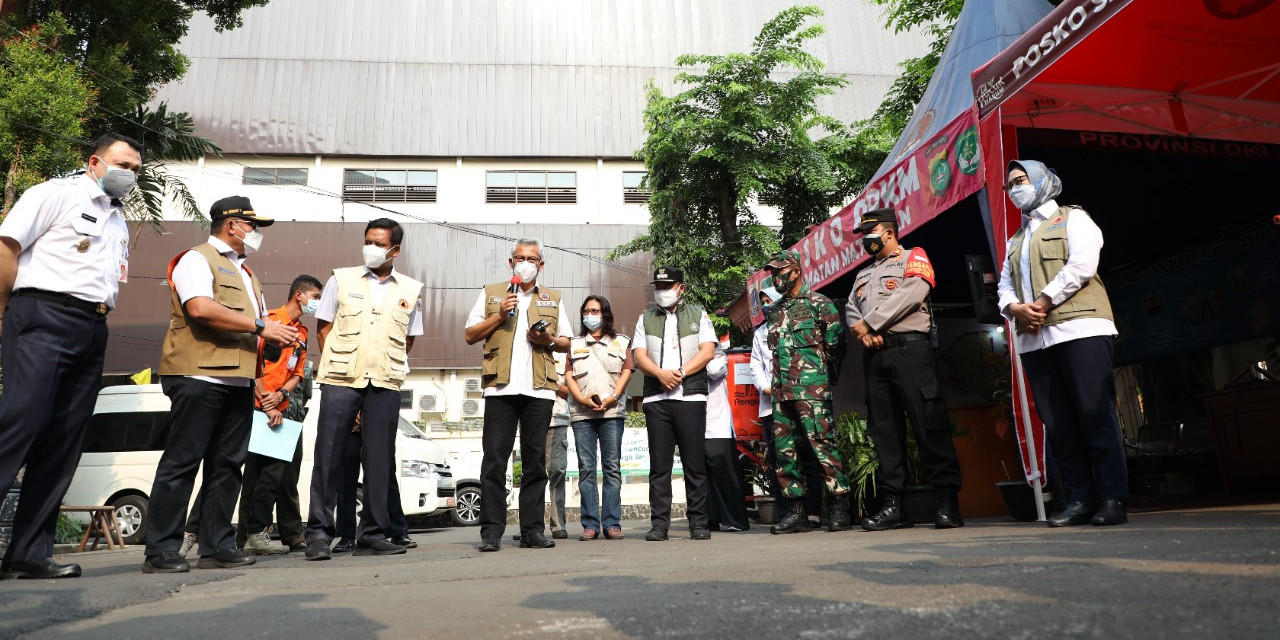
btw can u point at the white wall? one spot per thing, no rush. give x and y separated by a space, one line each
460 191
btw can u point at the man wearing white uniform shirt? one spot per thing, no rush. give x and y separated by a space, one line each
521 323
1049 288
365 326
63 252
673 343
209 360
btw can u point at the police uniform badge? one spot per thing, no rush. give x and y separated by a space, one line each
544 297
891 284
693 326
83 245
404 304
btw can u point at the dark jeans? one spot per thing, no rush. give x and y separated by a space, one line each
52 357
670 423
1074 387
379 409
208 423
904 379
598 511
502 416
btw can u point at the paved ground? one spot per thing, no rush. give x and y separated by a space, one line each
1195 573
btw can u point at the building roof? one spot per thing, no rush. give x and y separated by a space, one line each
487 78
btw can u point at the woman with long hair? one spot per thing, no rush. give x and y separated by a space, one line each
597 375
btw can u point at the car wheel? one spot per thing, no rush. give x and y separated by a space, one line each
466 513
131 517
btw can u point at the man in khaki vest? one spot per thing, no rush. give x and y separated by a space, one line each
208 363
1049 288
520 382
366 324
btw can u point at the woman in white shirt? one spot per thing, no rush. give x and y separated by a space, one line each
726 500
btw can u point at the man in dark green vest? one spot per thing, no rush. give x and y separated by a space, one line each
673 343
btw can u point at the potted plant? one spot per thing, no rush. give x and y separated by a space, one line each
859 457
760 477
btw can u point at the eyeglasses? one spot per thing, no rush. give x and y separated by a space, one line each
1017 182
534 259
253 226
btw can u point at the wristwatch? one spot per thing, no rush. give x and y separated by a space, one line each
257 330
681 370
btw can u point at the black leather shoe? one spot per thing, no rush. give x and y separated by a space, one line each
1075 514
794 522
948 510
225 559
166 562
700 533
41 569
560 534
535 541
405 541
318 550
656 534
1110 512
840 518
345 545
382 547
298 544
490 543
889 517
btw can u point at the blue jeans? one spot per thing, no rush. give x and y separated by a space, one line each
607 432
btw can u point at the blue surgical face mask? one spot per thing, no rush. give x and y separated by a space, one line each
592 322
311 307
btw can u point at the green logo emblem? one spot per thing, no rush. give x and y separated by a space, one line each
968 154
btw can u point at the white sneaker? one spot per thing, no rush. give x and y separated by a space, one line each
260 544
189 542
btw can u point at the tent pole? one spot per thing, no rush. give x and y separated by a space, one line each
1036 479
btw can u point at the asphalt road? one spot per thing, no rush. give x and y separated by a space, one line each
1203 573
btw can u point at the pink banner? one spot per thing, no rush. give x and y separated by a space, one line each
935 176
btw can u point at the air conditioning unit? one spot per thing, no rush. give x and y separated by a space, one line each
472 385
431 403
472 408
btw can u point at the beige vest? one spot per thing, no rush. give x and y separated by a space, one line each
193 348
1048 256
366 345
495 371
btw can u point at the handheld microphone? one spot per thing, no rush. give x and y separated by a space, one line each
515 285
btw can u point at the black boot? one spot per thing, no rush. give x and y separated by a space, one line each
838 516
795 521
948 510
889 516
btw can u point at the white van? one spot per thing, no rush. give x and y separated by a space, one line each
127 435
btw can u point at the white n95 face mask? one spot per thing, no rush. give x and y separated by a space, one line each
375 256
252 241
1022 196
527 271
666 297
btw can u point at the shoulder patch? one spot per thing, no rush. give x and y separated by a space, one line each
918 265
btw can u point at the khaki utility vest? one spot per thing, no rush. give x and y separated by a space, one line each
195 349
366 345
1048 256
496 369
688 319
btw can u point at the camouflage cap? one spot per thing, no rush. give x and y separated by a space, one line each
784 258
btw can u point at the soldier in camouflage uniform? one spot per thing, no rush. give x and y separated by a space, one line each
888 312
807 339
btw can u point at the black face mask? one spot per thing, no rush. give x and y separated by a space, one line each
873 243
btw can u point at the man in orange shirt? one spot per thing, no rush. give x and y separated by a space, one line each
268 480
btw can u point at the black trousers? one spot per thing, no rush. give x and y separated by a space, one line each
346 509
379 409
271 484
208 423
52 357
903 379
670 423
1074 387
726 502
502 416
809 469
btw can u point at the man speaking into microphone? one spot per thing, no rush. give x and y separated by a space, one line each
521 324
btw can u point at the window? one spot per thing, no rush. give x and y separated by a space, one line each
131 431
265 175
631 191
531 187
406 398
388 185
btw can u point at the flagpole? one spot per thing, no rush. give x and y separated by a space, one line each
1036 479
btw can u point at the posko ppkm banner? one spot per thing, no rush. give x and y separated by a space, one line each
1206 296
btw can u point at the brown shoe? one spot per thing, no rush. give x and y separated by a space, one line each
589 534
613 533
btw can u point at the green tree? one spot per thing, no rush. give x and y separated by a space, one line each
43 105
739 129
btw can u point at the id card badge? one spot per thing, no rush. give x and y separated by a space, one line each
293 360
123 275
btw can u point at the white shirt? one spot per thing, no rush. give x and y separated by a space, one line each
1084 246
328 308
192 278
521 381
719 409
560 410
762 367
670 356
51 223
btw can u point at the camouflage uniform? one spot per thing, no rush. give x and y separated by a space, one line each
807 339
